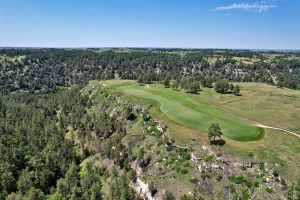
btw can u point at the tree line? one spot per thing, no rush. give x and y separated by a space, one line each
49 69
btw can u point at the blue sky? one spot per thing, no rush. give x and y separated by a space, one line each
269 24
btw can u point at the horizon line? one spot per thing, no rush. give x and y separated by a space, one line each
145 47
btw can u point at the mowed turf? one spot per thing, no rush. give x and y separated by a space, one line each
186 111
259 103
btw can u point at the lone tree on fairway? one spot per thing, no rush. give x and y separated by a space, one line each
140 79
222 86
175 85
195 87
206 82
236 90
214 131
167 81
231 87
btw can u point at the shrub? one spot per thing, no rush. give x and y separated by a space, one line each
140 153
144 162
246 195
208 158
261 165
184 171
219 154
185 164
168 196
237 179
185 155
283 182
149 146
194 180
269 190
251 155
275 173
160 142
248 183
186 197
231 188
152 189
205 175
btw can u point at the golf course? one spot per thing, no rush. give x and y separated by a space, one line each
191 111
237 115
194 114
189 116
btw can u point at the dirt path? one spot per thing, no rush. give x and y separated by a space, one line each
280 129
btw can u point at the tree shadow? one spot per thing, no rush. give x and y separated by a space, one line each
131 117
193 92
176 89
238 95
219 142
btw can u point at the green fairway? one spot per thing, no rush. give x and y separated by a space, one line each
259 103
188 112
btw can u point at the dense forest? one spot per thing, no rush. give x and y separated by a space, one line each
48 69
40 158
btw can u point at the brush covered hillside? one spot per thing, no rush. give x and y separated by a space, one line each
149 124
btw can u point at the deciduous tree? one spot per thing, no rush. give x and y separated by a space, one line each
214 131
236 90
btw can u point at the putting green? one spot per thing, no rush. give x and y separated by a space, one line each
188 112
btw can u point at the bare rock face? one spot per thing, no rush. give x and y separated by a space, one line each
142 189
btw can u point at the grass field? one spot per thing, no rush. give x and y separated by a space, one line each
185 110
259 103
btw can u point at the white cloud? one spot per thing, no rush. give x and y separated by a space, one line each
254 7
